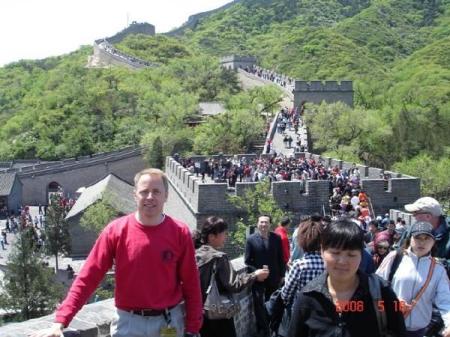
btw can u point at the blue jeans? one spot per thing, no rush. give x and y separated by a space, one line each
126 324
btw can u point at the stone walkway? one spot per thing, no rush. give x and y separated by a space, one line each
61 275
249 81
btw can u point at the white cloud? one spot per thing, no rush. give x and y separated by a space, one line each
31 29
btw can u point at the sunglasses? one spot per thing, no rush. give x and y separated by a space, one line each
418 213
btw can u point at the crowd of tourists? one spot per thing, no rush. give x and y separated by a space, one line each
346 195
109 48
17 221
270 75
321 281
274 168
335 278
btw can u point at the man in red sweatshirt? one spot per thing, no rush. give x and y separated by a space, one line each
281 230
155 270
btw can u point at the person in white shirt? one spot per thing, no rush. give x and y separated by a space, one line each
415 267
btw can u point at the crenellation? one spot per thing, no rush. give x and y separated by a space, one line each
235 61
346 85
408 217
327 86
242 188
317 91
327 161
299 197
375 173
337 163
316 86
332 86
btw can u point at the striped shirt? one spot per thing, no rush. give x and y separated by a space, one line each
302 271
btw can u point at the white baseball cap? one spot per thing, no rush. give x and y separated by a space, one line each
425 205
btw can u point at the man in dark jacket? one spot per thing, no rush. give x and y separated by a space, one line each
263 250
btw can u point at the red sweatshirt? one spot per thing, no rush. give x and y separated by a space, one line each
155 268
282 232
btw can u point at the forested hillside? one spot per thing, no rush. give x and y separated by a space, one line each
57 107
397 52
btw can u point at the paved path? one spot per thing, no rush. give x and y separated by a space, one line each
249 81
61 276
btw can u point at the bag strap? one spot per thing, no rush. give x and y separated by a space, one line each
375 293
213 277
397 259
424 287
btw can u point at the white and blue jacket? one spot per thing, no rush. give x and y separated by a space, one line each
409 279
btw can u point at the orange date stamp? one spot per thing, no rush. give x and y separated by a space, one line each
349 306
399 306
358 306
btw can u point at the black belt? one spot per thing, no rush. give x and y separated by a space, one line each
148 312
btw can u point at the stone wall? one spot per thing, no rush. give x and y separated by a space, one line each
73 173
94 319
105 54
328 91
81 239
235 62
295 196
408 217
15 197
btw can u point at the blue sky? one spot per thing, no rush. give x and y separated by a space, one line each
34 29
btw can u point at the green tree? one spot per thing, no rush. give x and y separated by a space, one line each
56 230
98 215
433 173
256 200
156 157
28 287
348 126
175 141
229 132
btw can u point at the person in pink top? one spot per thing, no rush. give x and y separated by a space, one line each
281 230
155 270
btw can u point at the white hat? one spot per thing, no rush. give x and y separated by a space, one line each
426 205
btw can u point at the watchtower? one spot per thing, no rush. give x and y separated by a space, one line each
318 91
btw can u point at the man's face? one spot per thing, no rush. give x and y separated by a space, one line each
264 225
391 228
150 196
422 216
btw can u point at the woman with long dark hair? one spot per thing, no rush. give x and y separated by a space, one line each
208 241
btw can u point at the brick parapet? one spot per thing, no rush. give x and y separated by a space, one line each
295 196
77 163
323 85
408 217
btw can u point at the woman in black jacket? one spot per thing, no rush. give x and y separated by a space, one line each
211 238
338 303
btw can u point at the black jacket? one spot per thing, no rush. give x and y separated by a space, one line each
314 313
257 255
226 277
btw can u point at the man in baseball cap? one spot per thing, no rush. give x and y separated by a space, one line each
428 209
425 205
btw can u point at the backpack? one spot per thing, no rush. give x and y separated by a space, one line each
375 292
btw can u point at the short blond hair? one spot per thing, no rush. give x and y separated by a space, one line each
152 172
